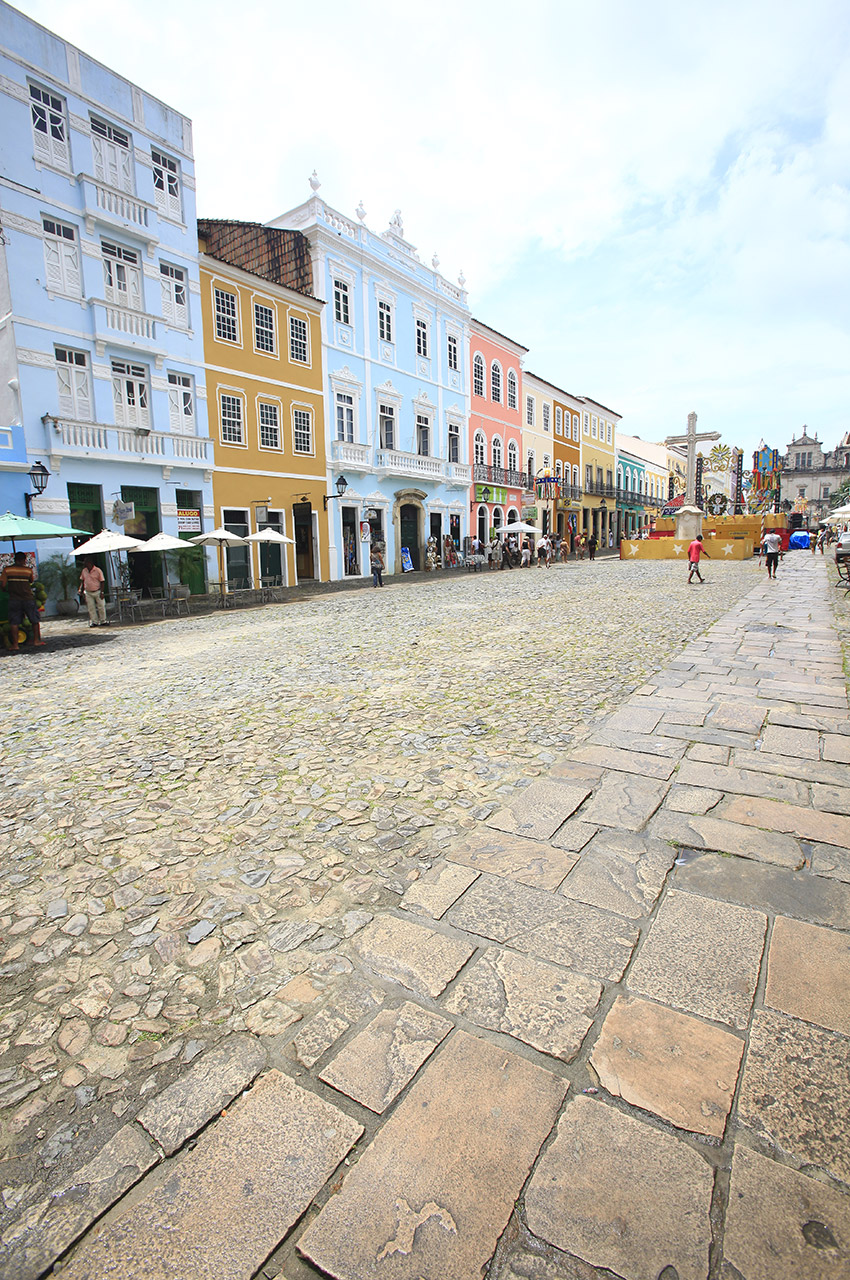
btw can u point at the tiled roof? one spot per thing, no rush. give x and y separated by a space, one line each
281 256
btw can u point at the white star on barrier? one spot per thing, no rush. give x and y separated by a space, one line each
728 548
679 548
634 549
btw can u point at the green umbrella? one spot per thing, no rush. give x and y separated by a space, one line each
13 527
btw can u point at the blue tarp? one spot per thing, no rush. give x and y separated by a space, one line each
799 541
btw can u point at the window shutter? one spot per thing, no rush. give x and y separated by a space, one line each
82 395
66 398
73 279
118 397
98 145
134 288
53 264
41 139
174 408
61 155
125 170
174 198
167 300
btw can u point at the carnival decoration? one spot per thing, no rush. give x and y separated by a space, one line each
719 460
717 504
547 488
765 492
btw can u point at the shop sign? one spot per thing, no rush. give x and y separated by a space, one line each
529 513
188 520
406 562
489 493
123 512
365 530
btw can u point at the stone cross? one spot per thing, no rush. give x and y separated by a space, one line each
691 441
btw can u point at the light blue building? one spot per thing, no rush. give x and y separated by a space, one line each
101 342
631 491
395 338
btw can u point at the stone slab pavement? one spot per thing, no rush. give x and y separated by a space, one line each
602 1033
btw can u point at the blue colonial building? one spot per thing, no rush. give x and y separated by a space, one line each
395 339
101 345
631 514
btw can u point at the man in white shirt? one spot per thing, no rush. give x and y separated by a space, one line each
771 546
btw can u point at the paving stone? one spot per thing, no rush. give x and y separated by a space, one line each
702 957
574 835
383 1058
620 1194
539 810
419 958
673 1065
623 800
795 1093
684 716
270 1017
836 747
742 781
696 800
568 933
529 861
409 1207
809 824
782 741
227 1203
318 1035
739 717
710 832
634 719
808 973
651 744
710 754
771 889
621 871
51 1226
822 771
781 1225
627 761
534 1002
290 934
832 799
436 889
210 1084
829 860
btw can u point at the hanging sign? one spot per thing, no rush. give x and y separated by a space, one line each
188 520
406 562
365 530
123 512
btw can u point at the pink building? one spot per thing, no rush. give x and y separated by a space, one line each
495 429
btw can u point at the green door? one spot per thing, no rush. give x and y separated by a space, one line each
410 532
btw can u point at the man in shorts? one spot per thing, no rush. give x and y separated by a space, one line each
771 548
695 550
17 579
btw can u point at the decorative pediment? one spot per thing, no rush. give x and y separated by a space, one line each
344 375
423 404
386 391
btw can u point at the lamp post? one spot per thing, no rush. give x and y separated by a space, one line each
603 512
39 476
341 486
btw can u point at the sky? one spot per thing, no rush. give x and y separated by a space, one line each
651 195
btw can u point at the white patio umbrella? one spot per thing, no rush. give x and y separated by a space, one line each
218 538
161 542
269 535
519 527
106 541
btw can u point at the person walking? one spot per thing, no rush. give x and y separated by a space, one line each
772 547
376 564
17 578
695 550
543 552
526 555
92 584
591 546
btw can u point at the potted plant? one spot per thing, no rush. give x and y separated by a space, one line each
61 576
184 564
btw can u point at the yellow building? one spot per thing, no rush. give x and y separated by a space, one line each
599 466
263 355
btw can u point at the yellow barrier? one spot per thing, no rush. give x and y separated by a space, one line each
719 548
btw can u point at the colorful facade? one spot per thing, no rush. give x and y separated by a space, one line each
101 366
394 334
538 417
567 453
641 484
495 429
263 345
598 460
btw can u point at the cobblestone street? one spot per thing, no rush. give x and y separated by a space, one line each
224 838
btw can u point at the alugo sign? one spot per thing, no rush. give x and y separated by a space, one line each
188 520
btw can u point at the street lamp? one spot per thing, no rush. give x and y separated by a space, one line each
39 476
341 486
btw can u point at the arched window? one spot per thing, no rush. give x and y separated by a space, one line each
547 462
619 477
575 427
479 449
497 451
513 516
478 374
496 382
529 464
512 396
483 524
497 517
576 477
558 425
558 469
512 457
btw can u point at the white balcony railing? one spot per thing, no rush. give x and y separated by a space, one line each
410 464
136 323
86 438
121 206
353 456
459 473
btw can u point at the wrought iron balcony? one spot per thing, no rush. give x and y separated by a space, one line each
484 474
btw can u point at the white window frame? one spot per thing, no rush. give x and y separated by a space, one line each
50 142
62 258
512 398
181 402
587 424
386 318
497 451
259 302
223 318
166 184
424 432
296 339
479 449
593 427
175 295
609 432
452 352
559 421
131 394
512 456
300 412
423 338
387 414
228 420
529 411
547 416
123 281
268 406
496 382
72 376
345 404
576 477
453 442
342 300
479 375
576 428
112 155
